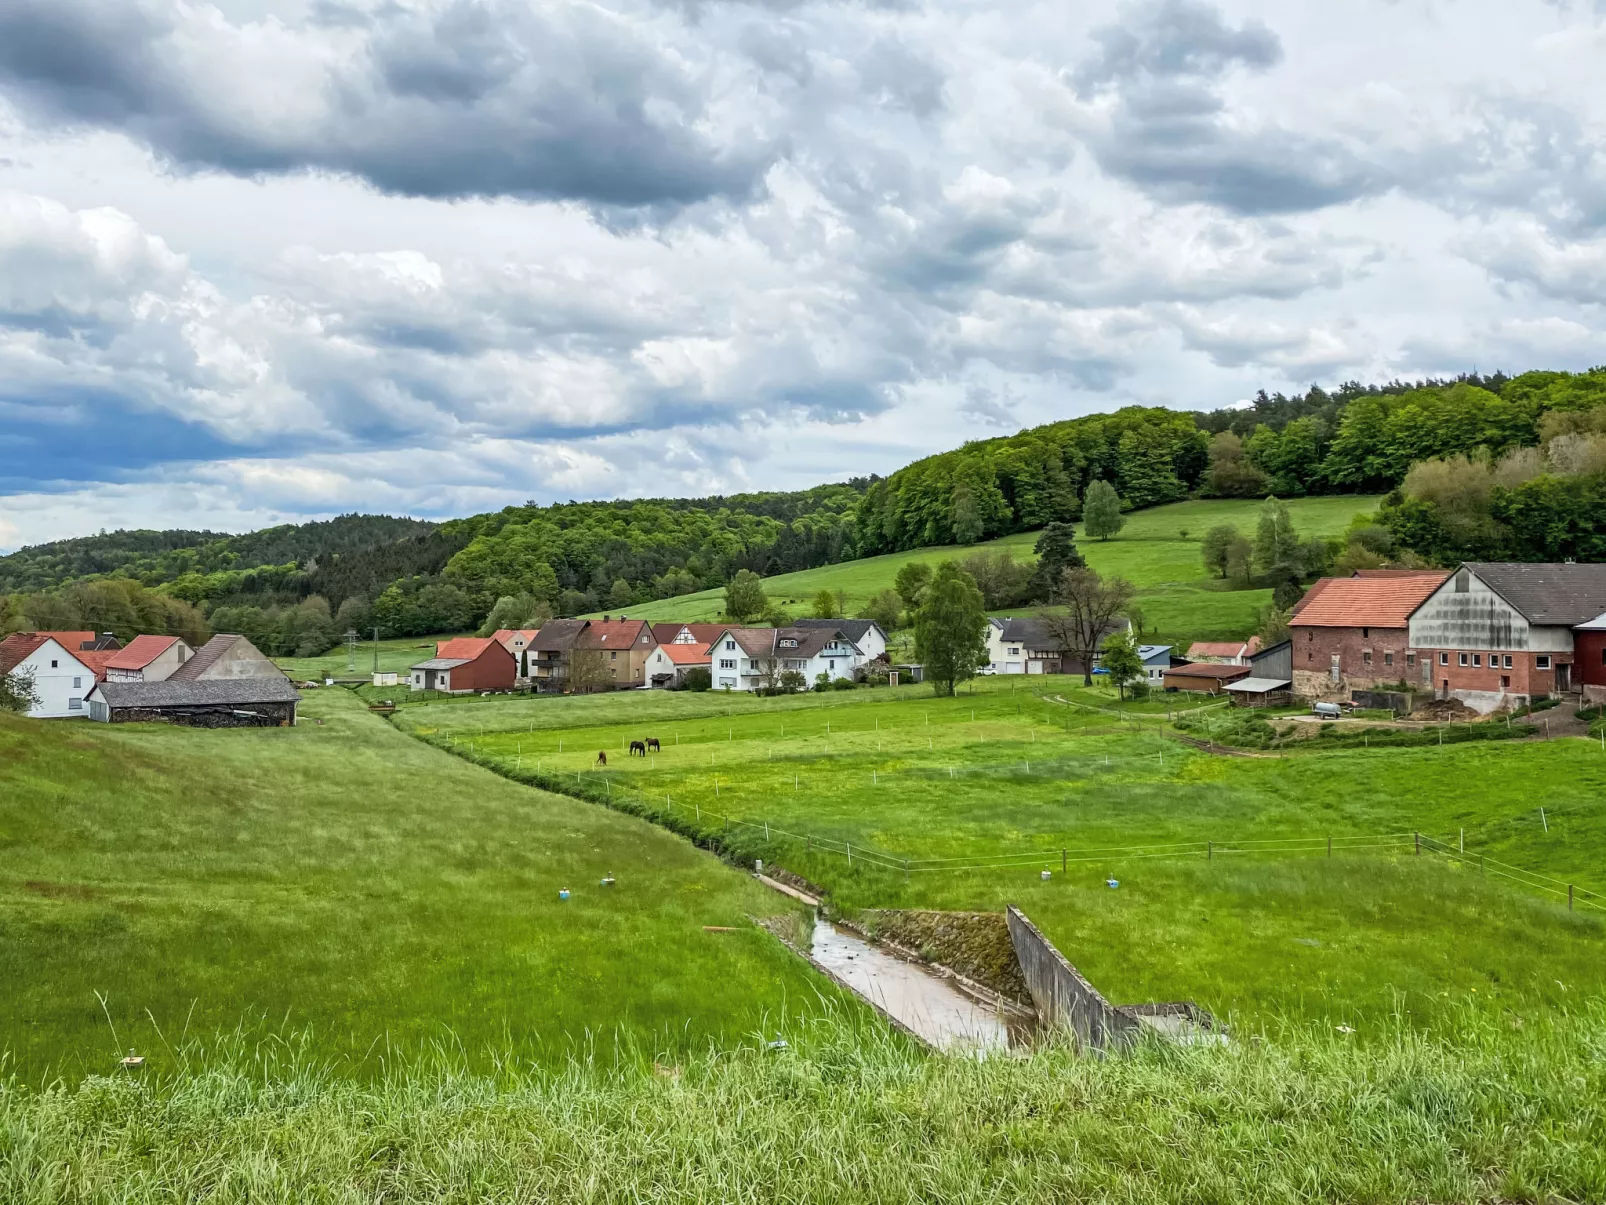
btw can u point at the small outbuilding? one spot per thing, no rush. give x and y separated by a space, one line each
203 703
465 665
1204 677
1261 692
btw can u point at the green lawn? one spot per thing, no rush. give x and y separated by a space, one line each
343 881
396 655
1180 602
1256 935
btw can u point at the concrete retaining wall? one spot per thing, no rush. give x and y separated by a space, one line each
1062 996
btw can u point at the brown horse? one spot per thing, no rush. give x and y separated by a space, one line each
602 758
638 747
652 743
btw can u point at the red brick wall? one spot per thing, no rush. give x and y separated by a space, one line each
1313 648
1523 678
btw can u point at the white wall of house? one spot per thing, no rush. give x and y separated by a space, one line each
61 681
735 669
1003 656
873 643
160 668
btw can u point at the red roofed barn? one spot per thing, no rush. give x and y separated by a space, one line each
465 665
1353 633
147 659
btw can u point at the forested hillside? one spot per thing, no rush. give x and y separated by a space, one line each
1474 467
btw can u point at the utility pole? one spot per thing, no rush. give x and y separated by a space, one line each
351 650
376 649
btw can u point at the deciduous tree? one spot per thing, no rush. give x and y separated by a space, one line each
911 584
1101 510
1088 606
744 597
1119 655
951 629
1215 546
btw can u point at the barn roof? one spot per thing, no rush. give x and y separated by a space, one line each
1209 669
1367 602
140 652
215 692
1547 594
16 649
467 648
442 663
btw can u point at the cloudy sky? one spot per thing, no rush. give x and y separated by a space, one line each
270 259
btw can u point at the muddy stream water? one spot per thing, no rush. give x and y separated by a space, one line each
933 1007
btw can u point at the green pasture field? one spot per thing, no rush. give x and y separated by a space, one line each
358 889
1372 930
396 655
1179 600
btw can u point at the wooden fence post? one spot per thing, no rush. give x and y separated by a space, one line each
1419 845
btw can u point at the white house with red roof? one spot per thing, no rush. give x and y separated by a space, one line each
61 680
147 659
668 664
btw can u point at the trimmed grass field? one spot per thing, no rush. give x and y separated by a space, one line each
1371 931
398 655
1179 600
361 891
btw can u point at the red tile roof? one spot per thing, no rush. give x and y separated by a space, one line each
466 647
1371 602
1224 648
687 654
71 641
96 660
614 634
140 652
14 650
1209 669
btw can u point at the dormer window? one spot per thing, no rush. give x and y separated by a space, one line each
788 644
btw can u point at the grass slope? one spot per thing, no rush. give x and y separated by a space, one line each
991 773
398 655
341 879
1501 1115
1179 601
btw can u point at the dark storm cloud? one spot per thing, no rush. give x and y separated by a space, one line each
477 98
1161 68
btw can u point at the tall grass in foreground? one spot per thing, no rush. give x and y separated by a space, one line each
848 1114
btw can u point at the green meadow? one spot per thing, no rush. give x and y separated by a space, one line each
395 655
1254 920
1158 551
356 891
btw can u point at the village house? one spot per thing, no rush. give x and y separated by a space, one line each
754 658
1589 659
1156 661
1029 646
700 634
465 665
668 664
620 648
546 656
516 641
61 679
1223 652
147 659
1353 633
1494 635
84 642
866 634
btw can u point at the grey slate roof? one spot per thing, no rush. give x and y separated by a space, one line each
210 692
441 663
557 636
1546 594
854 629
205 657
1036 634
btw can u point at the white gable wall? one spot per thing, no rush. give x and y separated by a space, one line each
61 681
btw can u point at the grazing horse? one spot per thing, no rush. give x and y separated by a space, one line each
637 747
652 743
602 758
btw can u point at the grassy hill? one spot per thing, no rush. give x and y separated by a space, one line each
1006 779
343 884
1180 601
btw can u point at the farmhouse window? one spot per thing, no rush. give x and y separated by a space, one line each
55 665
1494 660
613 656
1444 658
1505 682
1014 652
1477 660
1388 658
77 683
730 647
1410 659
1463 658
724 664
1541 662
1366 633
831 664
75 704
1366 658
1508 660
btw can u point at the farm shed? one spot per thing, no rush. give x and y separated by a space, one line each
1353 633
1261 692
465 665
226 657
210 703
1204 677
